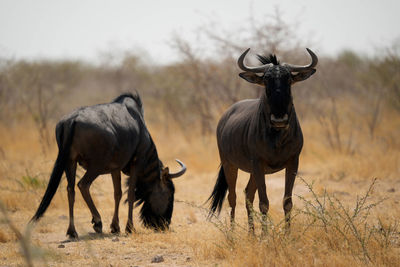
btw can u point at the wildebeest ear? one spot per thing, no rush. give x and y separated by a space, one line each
252 78
301 76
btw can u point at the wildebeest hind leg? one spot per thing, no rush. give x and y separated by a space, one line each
84 185
70 172
250 192
116 178
231 177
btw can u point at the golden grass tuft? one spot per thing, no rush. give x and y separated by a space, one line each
3 237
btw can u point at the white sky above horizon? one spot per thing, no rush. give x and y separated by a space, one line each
54 29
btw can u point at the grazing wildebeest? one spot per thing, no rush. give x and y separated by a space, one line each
261 136
110 138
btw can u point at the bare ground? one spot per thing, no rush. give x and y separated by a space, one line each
191 240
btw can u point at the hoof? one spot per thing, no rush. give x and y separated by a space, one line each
115 229
129 229
97 226
72 234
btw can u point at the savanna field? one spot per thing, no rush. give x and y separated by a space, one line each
346 195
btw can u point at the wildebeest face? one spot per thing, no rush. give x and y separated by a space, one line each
157 211
158 206
277 79
277 82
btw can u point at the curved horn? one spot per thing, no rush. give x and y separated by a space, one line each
250 69
296 68
180 173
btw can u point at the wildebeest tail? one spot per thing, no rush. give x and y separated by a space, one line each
64 140
218 194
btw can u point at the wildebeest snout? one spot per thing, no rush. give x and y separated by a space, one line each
279 122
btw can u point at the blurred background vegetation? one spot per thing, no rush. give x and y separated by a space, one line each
350 94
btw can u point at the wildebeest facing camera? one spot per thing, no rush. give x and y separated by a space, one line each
261 136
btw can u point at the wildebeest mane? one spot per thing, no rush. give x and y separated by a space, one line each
143 191
135 96
148 217
267 60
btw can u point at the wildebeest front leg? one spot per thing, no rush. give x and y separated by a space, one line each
258 174
131 199
250 191
116 178
84 186
290 176
70 172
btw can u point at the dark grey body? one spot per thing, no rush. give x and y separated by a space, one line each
261 136
106 136
110 138
246 141
244 136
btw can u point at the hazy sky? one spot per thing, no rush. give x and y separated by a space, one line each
84 28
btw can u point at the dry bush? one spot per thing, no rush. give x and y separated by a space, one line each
325 231
353 154
23 238
207 83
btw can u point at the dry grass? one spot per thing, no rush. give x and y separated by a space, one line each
332 226
3 237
